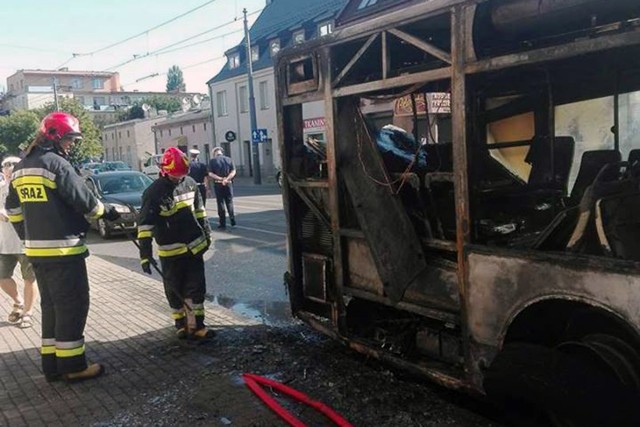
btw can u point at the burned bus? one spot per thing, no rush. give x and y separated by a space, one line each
472 213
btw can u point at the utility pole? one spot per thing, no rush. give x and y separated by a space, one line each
252 104
55 93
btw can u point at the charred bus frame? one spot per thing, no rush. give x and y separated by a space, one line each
502 295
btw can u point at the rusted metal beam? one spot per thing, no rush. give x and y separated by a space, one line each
312 205
354 60
338 306
567 50
406 80
385 56
422 45
460 167
303 98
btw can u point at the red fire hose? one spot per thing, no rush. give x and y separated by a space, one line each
254 381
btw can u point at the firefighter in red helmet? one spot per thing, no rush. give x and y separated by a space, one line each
173 213
48 204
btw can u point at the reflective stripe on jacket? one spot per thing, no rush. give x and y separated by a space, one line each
47 204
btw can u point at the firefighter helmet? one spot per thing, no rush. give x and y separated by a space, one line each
58 125
174 163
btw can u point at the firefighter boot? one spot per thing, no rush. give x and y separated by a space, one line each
92 371
203 334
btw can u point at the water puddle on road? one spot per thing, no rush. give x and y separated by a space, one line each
271 313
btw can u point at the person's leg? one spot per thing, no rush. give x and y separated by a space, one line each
203 193
229 203
195 290
69 290
30 290
48 349
219 190
172 281
9 286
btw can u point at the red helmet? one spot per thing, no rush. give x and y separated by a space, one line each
174 163
58 124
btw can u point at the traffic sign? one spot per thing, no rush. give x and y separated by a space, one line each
259 135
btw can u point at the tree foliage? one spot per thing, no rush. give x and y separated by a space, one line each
175 80
91 145
17 129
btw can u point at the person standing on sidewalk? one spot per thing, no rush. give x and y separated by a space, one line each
173 212
222 171
47 205
12 253
198 171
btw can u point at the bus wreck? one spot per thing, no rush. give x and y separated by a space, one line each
473 212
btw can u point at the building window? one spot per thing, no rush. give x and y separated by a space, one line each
21 84
76 84
119 135
366 3
255 53
169 132
128 134
193 127
298 37
274 47
325 28
98 101
264 95
160 133
98 84
243 99
120 153
234 60
221 103
181 131
205 126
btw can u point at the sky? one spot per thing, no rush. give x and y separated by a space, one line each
45 34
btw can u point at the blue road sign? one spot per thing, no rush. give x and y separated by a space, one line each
259 135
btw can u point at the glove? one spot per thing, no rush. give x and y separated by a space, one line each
111 214
146 266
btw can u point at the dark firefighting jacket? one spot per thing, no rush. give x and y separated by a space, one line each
173 214
47 204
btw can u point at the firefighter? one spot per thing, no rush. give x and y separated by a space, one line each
173 212
47 204
198 171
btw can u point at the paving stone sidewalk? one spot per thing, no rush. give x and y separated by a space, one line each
128 330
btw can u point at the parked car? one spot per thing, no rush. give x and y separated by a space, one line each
151 166
122 190
116 166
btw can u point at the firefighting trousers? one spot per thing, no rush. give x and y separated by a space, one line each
64 300
183 279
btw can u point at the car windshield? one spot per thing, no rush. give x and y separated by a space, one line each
114 166
125 183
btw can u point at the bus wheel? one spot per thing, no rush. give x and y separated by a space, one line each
532 382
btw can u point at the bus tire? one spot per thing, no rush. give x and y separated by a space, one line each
570 392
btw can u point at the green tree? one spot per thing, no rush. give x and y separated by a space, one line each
131 113
175 80
91 145
17 130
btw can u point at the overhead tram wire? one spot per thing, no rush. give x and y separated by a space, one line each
175 18
164 49
186 67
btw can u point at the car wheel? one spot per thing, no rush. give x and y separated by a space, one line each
104 229
532 382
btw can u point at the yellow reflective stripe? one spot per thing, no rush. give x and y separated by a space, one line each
96 212
145 234
144 261
25 180
76 250
176 208
201 214
200 247
60 352
178 316
173 252
15 218
48 349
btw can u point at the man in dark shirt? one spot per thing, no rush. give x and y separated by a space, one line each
198 171
222 171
